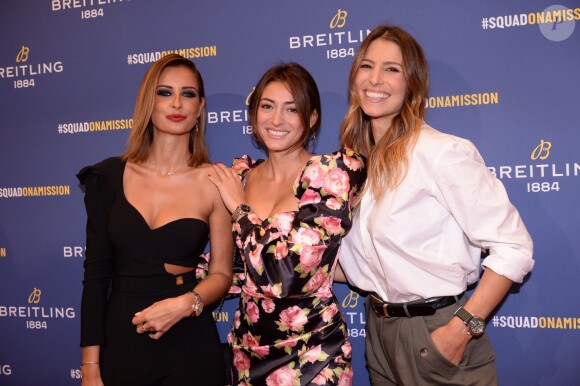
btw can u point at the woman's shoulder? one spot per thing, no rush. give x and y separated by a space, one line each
105 168
345 159
434 145
334 174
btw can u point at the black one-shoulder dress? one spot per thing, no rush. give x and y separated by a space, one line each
124 273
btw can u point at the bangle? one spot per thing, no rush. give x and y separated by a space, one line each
89 363
197 306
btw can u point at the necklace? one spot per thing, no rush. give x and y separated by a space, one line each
166 172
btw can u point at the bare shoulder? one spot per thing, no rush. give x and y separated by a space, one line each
200 180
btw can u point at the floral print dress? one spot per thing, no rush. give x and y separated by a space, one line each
288 328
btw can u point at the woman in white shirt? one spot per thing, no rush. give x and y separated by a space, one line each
429 207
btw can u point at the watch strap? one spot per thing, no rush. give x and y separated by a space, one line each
241 210
464 315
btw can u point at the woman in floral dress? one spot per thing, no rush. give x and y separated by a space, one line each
290 213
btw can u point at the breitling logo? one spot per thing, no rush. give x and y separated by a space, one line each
22 55
350 300
339 20
34 297
542 151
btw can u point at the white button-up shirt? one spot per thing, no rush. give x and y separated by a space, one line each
424 238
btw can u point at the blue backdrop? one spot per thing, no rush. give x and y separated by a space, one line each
504 75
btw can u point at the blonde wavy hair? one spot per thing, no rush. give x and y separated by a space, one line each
388 159
141 137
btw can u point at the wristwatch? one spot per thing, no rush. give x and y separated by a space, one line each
475 325
240 211
197 306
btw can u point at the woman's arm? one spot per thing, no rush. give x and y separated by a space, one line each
339 276
98 267
219 278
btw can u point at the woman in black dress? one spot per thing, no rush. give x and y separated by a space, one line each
150 215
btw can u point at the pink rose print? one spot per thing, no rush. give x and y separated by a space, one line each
291 342
284 376
261 350
268 306
253 312
320 379
311 257
315 281
237 319
345 378
346 350
248 340
256 258
336 182
312 354
313 175
236 289
325 290
306 236
272 291
329 312
352 163
332 225
333 203
250 289
241 361
254 219
273 234
283 222
240 164
293 318
309 197
281 250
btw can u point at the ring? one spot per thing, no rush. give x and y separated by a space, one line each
143 327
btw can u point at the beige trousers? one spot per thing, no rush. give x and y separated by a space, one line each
400 351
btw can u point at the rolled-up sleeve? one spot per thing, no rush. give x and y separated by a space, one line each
479 203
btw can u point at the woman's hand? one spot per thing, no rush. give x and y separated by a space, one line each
451 340
158 318
227 181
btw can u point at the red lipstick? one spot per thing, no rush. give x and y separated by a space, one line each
176 117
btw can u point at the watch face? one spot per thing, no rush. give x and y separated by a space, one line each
245 208
476 326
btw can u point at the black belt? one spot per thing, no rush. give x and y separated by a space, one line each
415 308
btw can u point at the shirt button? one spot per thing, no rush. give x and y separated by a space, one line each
423 352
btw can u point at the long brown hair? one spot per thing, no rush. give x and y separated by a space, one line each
304 91
388 159
141 136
